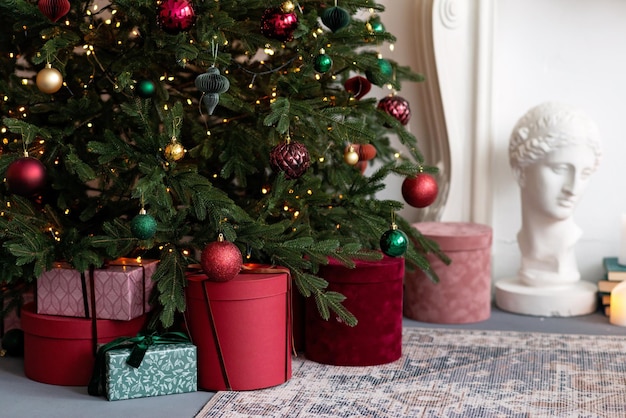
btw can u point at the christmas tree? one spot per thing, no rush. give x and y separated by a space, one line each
155 129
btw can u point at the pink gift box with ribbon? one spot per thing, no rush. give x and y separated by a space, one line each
121 290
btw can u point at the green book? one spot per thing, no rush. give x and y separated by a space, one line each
614 270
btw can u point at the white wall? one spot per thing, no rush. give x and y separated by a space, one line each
571 51
537 50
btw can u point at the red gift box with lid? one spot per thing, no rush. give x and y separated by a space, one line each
59 350
373 291
463 294
242 329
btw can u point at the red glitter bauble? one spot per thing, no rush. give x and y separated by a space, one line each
397 107
292 158
420 191
357 86
175 16
26 176
54 9
278 25
221 261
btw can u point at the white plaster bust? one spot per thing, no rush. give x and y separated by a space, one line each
553 150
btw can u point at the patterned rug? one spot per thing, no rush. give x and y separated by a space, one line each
453 373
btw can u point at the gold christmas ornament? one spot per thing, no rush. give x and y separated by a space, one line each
174 151
351 156
287 7
49 80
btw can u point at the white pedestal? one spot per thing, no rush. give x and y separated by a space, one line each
576 299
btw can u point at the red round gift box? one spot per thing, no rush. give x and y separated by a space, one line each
373 292
244 339
58 350
463 294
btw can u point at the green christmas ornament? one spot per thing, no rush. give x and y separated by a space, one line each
381 74
13 342
374 25
394 242
322 62
335 18
146 89
143 226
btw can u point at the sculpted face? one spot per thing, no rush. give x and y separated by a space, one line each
553 185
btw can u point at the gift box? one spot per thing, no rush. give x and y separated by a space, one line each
463 294
242 329
60 350
165 370
373 291
122 290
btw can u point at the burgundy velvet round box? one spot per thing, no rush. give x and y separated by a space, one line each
242 329
373 293
58 350
463 294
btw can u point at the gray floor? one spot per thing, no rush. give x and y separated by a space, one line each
21 397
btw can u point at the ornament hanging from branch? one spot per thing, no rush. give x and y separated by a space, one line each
175 16
174 151
350 156
420 191
358 86
381 74
146 89
396 106
26 176
221 260
143 226
374 25
54 9
290 157
394 242
278 24
323 62
212 83
335 18
49 80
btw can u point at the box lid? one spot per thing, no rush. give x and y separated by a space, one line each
71 328
243 286
456 236
387 269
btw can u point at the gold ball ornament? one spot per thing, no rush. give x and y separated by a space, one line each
287 7
49 80
174 151
351 157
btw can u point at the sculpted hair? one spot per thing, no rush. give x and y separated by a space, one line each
547 127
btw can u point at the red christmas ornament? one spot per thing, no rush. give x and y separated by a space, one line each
54 9
175 16
221 260
397 107
290 157
420 191
358 86
366 151
278 25
25 176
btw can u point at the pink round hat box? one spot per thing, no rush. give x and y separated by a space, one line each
463 294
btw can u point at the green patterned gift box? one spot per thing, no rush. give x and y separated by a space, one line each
165 369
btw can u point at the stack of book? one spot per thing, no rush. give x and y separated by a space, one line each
614 273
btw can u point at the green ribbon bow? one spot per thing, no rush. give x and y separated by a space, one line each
139 344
